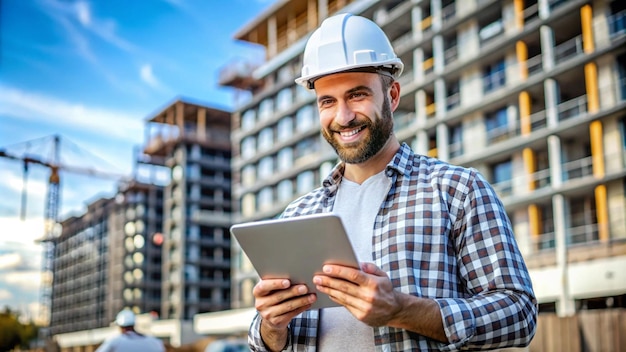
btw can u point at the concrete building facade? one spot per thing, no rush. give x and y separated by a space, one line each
107 259
531 93
193 142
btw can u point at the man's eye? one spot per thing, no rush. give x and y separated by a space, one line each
357 95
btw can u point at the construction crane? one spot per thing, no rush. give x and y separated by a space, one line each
51 208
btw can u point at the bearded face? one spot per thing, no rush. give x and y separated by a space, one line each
380 128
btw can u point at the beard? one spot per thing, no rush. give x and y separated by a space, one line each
358 152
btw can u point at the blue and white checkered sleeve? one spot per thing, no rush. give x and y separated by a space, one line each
501 309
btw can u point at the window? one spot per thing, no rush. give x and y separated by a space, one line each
453 96
285 159
248 120
285 128
248 147
496 124
266 138
583 220
285 190
490 31
265 198
502 178
305 182
266 167
306 147
450 49
304 119
265 109
617 19
248 176
494 76
284 99
456 141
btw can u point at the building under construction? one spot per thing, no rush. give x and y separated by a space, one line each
107 259
193 141
154 249
532 93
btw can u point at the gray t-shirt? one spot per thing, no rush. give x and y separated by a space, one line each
357 205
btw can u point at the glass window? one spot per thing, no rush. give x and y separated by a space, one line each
266 138
248 147
305 182
266 109
248 204
284 99
305 119
494 76
502 177
453 95
248 175
285 128
266 167
306 147
248 119
285 190
265 198
303 93
285 159
496 124
456 141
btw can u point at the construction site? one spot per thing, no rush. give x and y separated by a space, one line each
532 93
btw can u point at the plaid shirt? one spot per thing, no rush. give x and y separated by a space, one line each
441 233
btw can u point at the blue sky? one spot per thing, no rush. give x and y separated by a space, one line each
92 72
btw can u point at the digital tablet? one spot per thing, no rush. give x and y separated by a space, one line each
296 248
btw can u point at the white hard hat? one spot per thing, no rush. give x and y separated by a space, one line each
125 318
347 43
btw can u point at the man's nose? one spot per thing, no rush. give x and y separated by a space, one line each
344 114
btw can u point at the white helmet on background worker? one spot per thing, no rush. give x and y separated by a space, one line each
348 43
125 318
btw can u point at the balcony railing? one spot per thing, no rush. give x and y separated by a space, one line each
455 149
450 55
494 81
568 49
504 188
540 179
572 108
453 101
531 12
502 133
582 234
576 169
448 13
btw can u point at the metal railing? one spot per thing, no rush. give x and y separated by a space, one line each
568 49
578 168
573 108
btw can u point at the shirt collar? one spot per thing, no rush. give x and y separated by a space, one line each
400 164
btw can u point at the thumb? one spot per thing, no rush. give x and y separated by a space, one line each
371 268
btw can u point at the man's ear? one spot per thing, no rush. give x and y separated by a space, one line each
394 94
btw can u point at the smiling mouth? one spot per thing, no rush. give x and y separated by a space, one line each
351 132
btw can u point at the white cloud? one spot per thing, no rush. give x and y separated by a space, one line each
42 108
22 232
83 13
146 74
25 280
10 261
5 295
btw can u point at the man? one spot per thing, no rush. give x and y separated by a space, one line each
440 266
129 340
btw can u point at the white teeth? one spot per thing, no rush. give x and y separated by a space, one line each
350 133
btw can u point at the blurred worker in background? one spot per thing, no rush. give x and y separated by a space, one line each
130 340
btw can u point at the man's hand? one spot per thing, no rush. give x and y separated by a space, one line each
369 295
278 302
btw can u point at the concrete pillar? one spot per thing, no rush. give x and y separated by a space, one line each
420 108
546 34
438 54
442 142
440 98
544 9
435 13
565 304
416 21
421 145
551 96
554 159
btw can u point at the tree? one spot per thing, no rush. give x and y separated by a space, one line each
13 333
